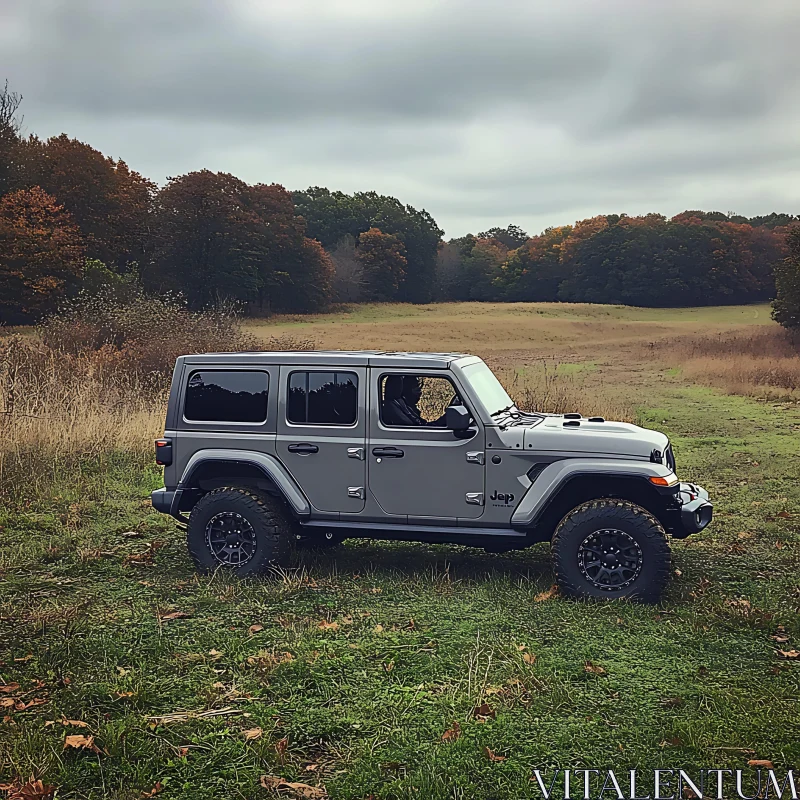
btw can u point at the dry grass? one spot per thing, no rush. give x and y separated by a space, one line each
758 363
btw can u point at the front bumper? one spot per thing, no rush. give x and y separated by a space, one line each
696 509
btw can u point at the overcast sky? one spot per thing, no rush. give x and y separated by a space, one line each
483 112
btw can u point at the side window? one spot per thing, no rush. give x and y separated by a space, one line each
409 401
226 396
322 398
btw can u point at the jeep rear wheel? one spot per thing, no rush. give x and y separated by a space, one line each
611 549
239 530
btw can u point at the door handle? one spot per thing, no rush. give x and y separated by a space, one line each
304 449
387 452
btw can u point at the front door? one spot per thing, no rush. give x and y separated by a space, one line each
417 467
322 432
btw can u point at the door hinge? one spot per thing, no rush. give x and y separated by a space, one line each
475 498
355 452
476 458
355 491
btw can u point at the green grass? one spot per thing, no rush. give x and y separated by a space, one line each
693 683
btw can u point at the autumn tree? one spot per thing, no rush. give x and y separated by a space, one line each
535 271
330 216
217 237
383 261
110 203
511 237
786 306
41 254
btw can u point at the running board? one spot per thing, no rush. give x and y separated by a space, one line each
446 530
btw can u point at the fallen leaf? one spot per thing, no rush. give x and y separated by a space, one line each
780 638
300 790
388 667
483 712
253 629
173 615
549 594
7 688
312 767
328 626
378 629
760 762
120 695
80 742
521 647
451 734
154 791
790 653
183 752
376 590
784 515
593 668
31 790
529 658
215 654
252 734
492 756
24 658
281 746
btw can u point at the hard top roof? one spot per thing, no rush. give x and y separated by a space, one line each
339 358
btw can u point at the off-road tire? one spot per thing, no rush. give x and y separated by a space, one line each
269 519
619 515
317 539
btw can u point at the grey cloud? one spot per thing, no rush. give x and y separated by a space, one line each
477 110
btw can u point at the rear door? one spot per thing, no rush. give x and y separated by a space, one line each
322 434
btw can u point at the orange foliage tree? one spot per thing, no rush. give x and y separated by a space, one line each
109 202
41 253
383 259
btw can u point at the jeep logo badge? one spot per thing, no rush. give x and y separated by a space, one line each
501 499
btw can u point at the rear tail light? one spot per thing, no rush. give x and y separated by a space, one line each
164 452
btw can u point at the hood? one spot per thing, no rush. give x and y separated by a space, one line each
618 439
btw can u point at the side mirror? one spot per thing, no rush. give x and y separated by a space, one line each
456 418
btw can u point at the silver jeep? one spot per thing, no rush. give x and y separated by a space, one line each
264 452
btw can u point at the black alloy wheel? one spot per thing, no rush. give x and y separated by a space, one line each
610 559
230 538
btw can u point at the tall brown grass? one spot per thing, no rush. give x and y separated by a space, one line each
93 381
543 388
761 362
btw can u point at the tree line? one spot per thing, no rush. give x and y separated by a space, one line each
72 219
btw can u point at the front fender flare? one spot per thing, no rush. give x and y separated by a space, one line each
553 478
269 465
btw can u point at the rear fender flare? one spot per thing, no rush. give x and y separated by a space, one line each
269 465
555 476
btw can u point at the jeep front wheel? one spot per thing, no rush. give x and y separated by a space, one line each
238 530
611 549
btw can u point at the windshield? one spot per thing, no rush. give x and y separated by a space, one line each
487 388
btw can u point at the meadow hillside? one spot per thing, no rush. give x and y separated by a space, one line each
398 670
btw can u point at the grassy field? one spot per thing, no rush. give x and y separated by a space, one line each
347 672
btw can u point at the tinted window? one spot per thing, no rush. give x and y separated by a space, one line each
217 396
322 398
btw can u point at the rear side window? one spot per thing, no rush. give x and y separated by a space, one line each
227 396
322 398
